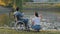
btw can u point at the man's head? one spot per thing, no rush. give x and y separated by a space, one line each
17 9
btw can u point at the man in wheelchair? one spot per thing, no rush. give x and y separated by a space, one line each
18 16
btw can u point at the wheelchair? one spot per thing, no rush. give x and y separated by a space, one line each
21 25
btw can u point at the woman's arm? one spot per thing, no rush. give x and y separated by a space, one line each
32 21
40 16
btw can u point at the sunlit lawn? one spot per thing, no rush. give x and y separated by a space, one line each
10 31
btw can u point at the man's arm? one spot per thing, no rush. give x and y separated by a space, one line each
15 18
22 14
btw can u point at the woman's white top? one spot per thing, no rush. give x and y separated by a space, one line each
36 20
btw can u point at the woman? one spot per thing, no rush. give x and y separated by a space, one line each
36 22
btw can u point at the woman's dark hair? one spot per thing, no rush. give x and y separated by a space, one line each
36 14
17 9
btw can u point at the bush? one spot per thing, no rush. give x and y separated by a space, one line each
9 5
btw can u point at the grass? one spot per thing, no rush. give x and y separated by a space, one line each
10 31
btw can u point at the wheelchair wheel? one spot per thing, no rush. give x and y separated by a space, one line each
20 25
